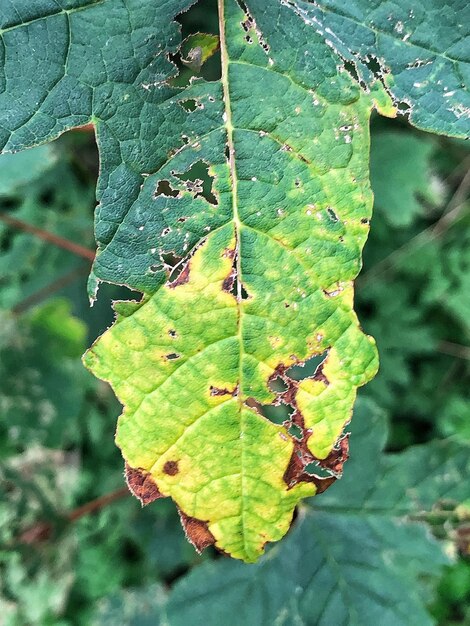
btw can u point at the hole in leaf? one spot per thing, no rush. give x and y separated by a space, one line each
314 469
199 182
277 385
350 67
296 432
170 259
165 189
189 105
309 369
238 290
277 414
332 215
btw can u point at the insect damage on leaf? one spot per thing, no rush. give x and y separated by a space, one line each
239 208
255 226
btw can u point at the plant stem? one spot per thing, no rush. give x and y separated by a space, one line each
45 235
48 290
41 531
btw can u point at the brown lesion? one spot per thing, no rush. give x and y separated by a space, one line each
329 468
171 468
142 485
197 531
218 391
182 278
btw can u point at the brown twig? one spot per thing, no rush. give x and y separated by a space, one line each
45 235
48 290
454 349
41 531
97 504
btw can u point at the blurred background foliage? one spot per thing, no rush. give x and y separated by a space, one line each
75 549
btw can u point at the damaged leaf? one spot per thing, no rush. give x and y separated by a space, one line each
264 283
197 48
239 207
420 50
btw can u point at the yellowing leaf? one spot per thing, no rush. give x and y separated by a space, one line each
196 362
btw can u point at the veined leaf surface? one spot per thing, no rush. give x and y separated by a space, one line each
243 278
266 288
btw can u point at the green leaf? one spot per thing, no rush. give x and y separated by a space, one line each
19 171
257 299
400 176
419 48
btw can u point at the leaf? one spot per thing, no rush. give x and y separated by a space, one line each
240 208
257 300
353 556
197 48
18 171
400 164
418 47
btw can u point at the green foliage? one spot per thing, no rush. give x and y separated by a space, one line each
46 192
394 156
353 557
360 553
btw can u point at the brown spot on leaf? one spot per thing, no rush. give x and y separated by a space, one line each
229 253
183 277
227 285
217 391
197 531
142 485
171 468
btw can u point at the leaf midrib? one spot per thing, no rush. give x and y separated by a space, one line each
237 227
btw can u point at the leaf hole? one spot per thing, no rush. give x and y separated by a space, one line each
189 105
278 385
309 369
199 182
165 189
315 469
332 215
295 431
